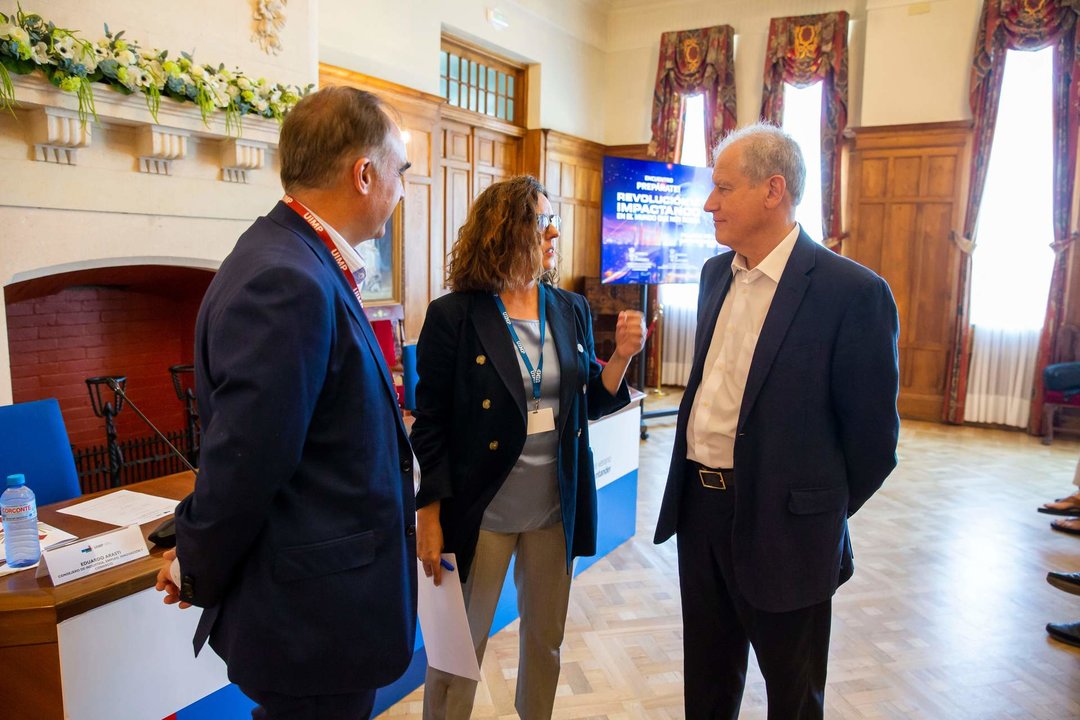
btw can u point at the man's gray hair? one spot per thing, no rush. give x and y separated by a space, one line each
768 151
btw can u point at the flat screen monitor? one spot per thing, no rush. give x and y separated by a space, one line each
654 226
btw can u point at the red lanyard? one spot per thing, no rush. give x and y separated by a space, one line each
320 230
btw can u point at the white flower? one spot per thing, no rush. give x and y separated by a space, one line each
102 51
221 98
14 32
243 83
40 54
233 90
65 46
155 68
261 105
125 57
85 54
197 71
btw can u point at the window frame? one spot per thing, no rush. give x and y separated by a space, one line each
458 52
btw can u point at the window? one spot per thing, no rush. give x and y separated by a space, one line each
1013 262
802 121
693 138
476 81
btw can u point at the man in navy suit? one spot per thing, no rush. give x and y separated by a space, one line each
788 425
299 537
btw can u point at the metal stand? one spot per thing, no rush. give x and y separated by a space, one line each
185 392
109 410
658 391
654 413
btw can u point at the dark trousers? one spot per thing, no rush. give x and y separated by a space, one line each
275 706
719 625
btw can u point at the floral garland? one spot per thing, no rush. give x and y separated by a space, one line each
29 43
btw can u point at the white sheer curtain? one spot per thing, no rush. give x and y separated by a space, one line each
1001 375
680 301
1012 261
679 326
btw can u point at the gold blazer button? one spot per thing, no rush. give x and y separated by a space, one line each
493 445
481 359
486 404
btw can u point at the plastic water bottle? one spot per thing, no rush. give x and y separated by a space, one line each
19 510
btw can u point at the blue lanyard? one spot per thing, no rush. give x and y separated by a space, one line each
536 374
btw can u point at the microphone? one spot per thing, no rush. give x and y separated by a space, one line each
164 535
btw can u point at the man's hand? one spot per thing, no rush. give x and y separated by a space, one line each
166 584
429 541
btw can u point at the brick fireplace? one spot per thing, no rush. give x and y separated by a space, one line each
135 321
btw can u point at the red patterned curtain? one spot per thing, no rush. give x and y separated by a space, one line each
1019 25
692 62
802 51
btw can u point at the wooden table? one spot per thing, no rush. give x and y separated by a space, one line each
31 608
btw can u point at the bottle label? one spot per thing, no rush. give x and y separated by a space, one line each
19 512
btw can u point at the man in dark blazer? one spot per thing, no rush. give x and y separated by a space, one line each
298 539
788 425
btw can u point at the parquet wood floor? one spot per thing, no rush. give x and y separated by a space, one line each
943 620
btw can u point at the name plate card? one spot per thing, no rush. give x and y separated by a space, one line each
92 555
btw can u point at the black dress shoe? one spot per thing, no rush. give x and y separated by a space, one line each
1066 633
1069 582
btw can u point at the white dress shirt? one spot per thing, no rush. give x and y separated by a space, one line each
352 258
714 414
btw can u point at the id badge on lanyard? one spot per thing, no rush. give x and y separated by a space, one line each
540 420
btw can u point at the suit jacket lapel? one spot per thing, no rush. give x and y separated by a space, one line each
560 319
789 294
284 215
499 348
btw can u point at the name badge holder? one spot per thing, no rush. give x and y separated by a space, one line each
539 419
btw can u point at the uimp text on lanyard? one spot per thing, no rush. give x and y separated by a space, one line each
534 374
320 230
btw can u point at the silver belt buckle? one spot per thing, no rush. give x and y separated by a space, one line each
712 479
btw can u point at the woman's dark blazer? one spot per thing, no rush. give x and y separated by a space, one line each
470 414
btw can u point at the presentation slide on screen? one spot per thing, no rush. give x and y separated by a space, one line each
655 229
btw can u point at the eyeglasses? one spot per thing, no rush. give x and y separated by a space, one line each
542 222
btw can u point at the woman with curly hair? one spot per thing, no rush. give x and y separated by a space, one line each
508 383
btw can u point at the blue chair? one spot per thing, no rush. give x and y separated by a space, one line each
34 442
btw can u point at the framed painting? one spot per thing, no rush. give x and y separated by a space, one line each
382 258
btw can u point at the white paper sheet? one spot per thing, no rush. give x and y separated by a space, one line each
48 536
443 622
123 507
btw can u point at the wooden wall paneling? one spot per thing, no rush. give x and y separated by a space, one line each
634 152
418 114
904 203
573 170
477 151
457 187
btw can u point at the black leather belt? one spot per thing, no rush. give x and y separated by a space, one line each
714 478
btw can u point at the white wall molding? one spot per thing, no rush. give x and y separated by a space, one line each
158 147
56 119
239 157
56 134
